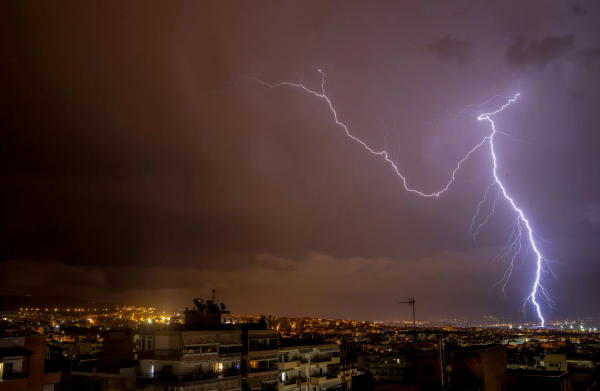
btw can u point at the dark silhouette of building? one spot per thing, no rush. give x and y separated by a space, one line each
528 380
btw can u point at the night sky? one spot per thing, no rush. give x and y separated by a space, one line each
137 164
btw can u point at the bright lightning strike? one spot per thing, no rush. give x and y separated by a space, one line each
521 225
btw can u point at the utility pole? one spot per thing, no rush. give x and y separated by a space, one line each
411 302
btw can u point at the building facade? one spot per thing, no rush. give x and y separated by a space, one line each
313 368
22 362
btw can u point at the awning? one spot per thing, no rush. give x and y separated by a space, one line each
264 357
230 339
200 340
263 336
254 383
269 378
330 349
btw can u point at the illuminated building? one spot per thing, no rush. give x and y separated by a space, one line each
203 352
301 360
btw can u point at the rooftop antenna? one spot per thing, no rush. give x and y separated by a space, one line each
214 294
199 303
411 303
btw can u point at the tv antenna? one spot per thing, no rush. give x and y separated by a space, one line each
411 303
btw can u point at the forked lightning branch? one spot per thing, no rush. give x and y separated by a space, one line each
521 240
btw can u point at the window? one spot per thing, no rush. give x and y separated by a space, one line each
6 370
145 342
554 365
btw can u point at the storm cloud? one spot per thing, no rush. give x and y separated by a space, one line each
538 54
450 49
140 163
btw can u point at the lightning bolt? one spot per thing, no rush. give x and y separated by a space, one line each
521 224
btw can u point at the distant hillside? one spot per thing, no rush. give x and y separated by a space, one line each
16 302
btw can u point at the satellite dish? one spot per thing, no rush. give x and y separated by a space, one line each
222 307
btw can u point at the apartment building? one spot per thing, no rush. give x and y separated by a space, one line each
313 367
115 371
203 354
261 348
207 354
22 362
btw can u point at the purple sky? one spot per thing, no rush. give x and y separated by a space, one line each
134 169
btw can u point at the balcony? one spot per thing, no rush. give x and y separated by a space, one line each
230 355
291 382
256 346
95 370
185 379
318 379
326 360
268 368
13 376
289 364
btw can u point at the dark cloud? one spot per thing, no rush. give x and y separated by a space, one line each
589 213
125 178
293 280
589 56
578 10
450 49
537 54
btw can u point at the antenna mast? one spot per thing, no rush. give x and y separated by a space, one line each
411 303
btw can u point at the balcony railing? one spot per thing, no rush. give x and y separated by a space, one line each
164 377
263 346
13 376
263 369
293 380
321 359
230 355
